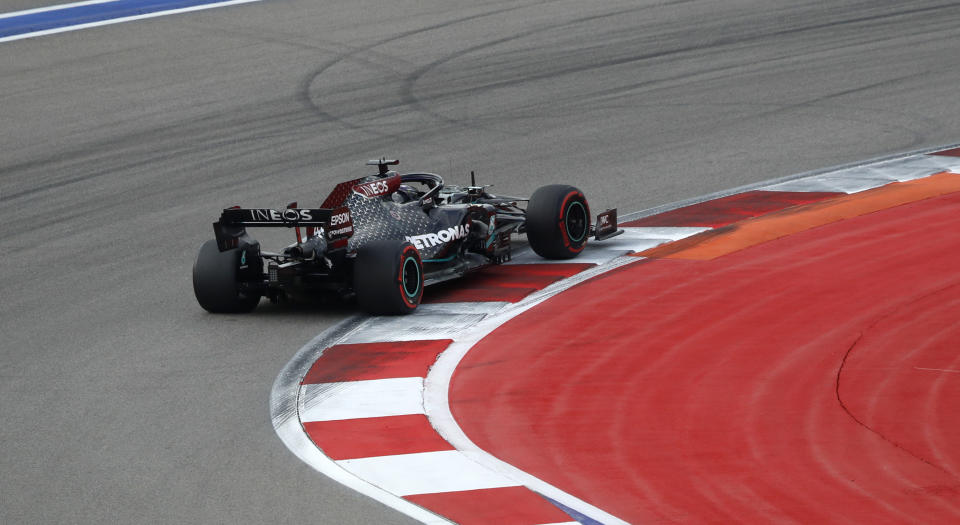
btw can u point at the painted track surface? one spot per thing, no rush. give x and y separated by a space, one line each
553 370
123 401
807 378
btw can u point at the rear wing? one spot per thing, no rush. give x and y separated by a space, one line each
337 224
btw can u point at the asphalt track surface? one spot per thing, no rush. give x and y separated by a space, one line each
124 401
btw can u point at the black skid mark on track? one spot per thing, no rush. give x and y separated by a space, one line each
578 68
410 99
199 135
322 112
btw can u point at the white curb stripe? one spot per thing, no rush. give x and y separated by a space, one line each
361 399
845 183
632 240
861 178
461 308
426 473
661 233
293 436
284 415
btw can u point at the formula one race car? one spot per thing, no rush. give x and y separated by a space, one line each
383 237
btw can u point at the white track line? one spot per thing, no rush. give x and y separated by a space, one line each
53 8
124 19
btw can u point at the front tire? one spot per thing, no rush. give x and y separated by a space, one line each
388 277
215 281
558 221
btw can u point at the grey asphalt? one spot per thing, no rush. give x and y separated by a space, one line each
14 6
123 401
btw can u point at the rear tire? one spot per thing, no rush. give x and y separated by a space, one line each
558 221
388 277
215 281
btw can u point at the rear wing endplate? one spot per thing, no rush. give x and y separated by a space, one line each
606 225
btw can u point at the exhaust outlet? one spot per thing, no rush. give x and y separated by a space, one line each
309 249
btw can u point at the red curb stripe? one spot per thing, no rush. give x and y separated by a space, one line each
955 152
727 210
363 361
509 283
504 506
482 295
375 436
717 243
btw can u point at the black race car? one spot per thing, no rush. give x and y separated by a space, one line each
382 238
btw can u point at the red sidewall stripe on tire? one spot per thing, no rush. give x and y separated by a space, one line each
563 226
404 257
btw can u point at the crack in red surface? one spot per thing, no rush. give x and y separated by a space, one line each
868 427
887 345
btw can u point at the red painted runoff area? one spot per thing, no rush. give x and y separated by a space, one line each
727 210
375 436
811 378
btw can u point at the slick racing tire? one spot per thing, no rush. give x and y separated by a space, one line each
388 277
215 280
558 221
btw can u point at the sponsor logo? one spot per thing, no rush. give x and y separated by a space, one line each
429 240
243 259
373 188
346 231
341 224
288 215
340 218
606 222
